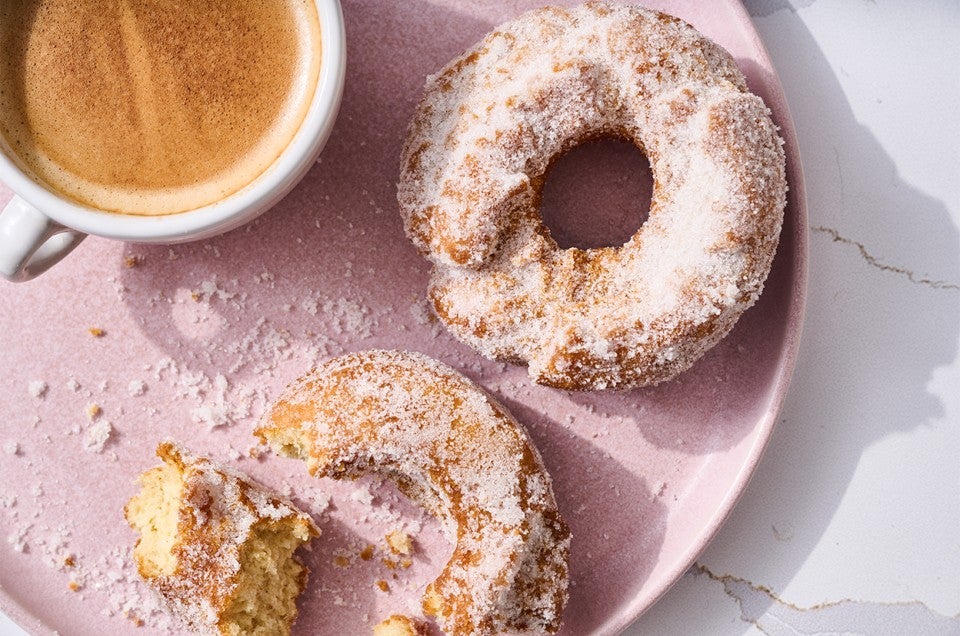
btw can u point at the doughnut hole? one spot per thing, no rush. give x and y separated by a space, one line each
597 194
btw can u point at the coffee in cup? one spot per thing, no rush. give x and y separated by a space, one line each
153 108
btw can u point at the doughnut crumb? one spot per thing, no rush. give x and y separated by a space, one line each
399 625
399 542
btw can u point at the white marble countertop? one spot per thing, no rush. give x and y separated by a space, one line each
852 521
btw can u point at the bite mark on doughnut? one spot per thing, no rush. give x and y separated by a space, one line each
454 450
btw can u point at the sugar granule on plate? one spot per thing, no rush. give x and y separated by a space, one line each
136 388
38 389
320 501
53 545
127 596
11 448
97 436
362 495
211 415
350 317
18 538
310 305
210 289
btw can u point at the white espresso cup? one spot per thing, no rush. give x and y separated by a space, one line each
40 226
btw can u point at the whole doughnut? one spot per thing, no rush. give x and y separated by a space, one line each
476 157
459 454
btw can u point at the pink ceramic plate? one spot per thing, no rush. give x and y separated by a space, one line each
195 339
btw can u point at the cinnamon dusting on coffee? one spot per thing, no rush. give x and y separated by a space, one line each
153 108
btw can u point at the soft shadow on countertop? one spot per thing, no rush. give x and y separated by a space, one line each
874 335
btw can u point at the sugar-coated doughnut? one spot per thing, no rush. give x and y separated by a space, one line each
454 450
218 547
476 157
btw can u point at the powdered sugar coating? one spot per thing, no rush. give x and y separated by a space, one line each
480 146
457 452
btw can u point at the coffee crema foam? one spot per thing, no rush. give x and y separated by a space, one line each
153 108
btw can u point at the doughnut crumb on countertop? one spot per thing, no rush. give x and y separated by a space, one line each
460 455
218 547
479 150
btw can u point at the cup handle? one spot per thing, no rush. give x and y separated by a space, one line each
31 243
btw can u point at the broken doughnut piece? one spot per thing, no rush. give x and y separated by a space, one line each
218 547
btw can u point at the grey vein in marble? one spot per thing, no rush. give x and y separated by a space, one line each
874 262
771 615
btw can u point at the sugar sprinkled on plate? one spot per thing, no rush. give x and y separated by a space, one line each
38 389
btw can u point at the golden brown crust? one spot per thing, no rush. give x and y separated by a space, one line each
458 453
481 143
